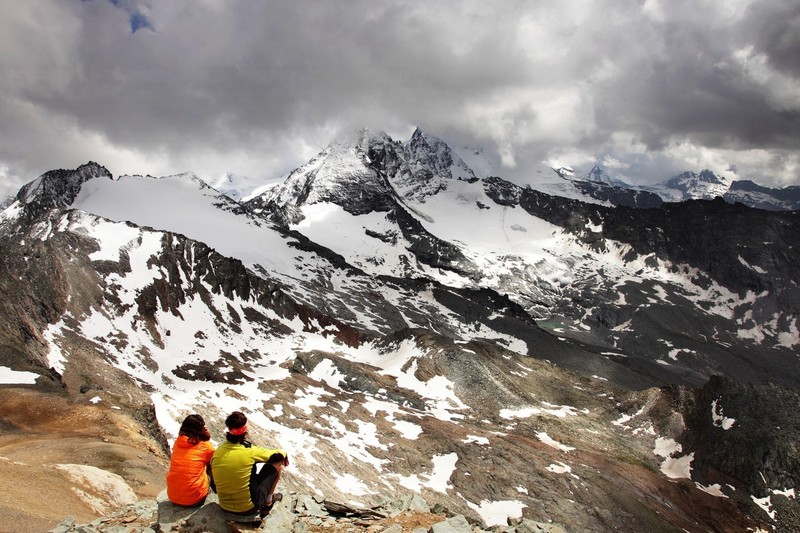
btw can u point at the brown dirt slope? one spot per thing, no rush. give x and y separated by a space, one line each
39 430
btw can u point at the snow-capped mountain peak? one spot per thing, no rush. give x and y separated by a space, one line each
599 175
240 187
428 151
565 171
692 186
361 170
58 188
342 173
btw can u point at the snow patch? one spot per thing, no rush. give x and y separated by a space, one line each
673 467
351 485
757 269
438 479
16 377
678 467
665 447
789 493
714 490
559 468
559 411
718 418
328 373
791 338
112 237
545 438
766 505
497 513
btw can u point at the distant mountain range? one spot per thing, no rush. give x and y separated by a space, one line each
706 185
402 321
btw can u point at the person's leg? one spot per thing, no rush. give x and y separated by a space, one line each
263 484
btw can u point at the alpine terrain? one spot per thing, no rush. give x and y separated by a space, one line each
402 322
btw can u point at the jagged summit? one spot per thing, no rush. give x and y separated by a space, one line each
598 174
431 164
565 171
367 171
343 174
58 188
692 186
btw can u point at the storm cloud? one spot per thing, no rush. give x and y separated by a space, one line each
646 88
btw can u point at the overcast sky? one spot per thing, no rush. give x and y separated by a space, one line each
645 88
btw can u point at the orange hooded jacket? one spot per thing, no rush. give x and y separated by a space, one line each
187 482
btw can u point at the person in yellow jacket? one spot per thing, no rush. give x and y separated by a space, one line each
187 477
245 475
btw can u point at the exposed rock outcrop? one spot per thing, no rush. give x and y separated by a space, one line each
297 513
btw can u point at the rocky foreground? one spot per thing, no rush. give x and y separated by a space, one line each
297 513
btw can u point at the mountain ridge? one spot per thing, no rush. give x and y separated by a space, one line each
496 349
690 186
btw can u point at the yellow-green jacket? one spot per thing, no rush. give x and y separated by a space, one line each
231 467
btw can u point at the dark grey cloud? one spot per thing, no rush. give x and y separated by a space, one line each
775 31
157 86
691 88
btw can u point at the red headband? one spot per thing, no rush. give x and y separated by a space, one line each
238 431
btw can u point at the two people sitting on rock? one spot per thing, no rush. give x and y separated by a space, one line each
187 479
245 475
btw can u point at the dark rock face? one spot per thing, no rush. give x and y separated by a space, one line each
58 188
33 293
502 192
762 444
747 251
754 195
430 250
745 436
618 196
741 248
360 189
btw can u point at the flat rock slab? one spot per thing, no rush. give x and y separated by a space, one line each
207 517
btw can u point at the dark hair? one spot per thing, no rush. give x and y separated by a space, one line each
194 427
236 420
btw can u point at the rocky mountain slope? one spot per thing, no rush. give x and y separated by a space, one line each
401 324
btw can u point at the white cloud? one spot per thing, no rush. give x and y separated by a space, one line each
256 88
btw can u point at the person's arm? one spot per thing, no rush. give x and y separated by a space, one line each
267 455
279 457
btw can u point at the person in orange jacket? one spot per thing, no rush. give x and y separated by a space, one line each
246 475
187 478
